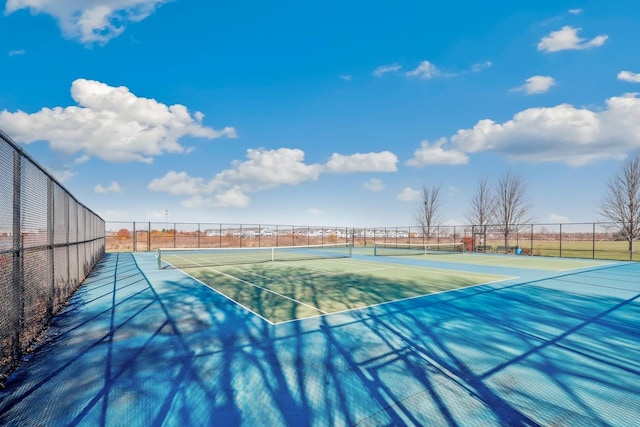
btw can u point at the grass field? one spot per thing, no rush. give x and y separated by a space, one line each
614 250
281 292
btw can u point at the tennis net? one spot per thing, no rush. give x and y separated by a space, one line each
203 257
402 249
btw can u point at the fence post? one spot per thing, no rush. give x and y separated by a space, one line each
593 242
531 253
51 245
16 299
560 240
67 230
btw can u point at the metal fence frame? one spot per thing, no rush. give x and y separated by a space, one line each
49 243
578 240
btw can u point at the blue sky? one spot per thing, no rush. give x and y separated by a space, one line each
321 113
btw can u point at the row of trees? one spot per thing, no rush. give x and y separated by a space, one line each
506 205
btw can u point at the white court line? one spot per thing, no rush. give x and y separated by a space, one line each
266 289
248 283
439 269
204 259
506 261
229 298
330 272
361 262
234 267
421 269
390 302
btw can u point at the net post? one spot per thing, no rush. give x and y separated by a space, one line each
158 259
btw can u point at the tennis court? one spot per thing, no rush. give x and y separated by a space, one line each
454 253
403 341
291 290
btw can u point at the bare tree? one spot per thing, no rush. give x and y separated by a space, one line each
622 202
511 204
481 210
428 212
481 213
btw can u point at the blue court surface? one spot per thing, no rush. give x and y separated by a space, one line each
139 346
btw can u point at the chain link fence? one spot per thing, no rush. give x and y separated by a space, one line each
49 242
149 236
570 240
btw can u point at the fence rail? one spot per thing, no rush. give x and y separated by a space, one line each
573 240
49 242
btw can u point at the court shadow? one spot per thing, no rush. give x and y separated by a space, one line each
137 347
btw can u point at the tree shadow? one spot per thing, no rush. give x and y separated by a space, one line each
140 347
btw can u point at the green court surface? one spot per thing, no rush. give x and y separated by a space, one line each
510 261
285 291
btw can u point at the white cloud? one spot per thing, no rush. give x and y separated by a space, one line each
575 11
232 198
383 69
315 212
62 175
264 169
563 133
89 21
408 194
384 161
17 52
436 155
628 76
178 183
536 84
374 184
114 187
268 168
426 70
110 123
558 218
346 77
567 39
480 66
